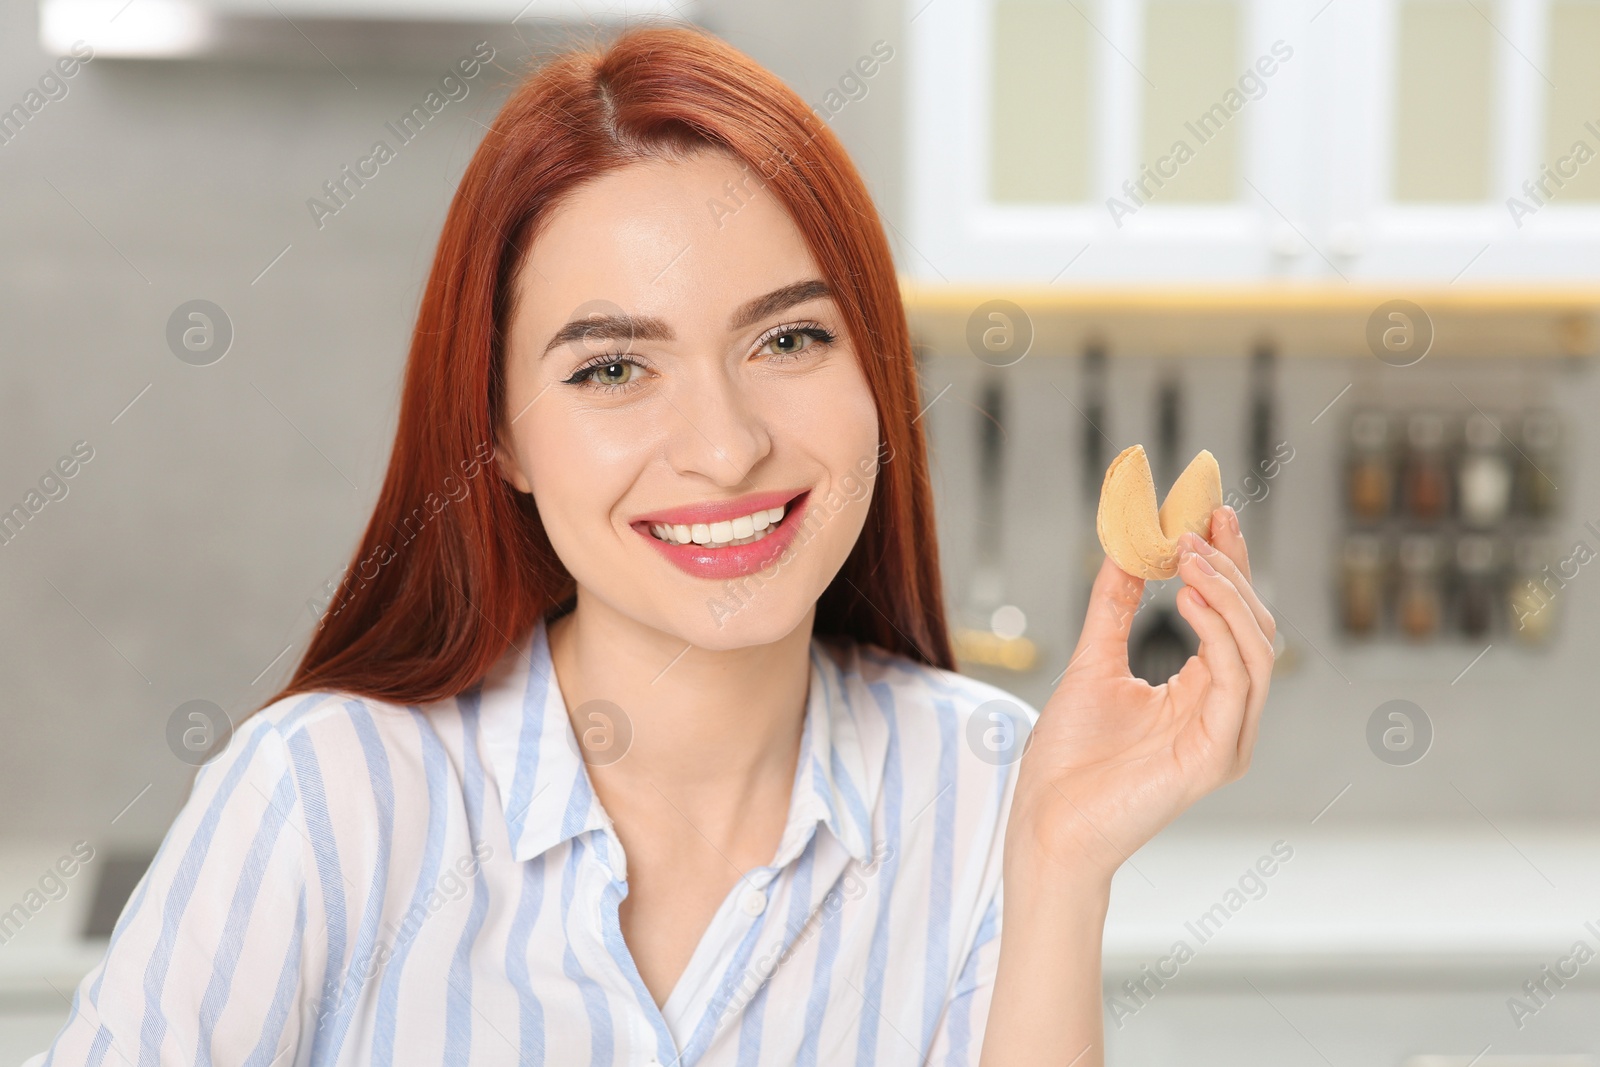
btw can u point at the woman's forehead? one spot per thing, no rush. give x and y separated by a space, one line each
664 238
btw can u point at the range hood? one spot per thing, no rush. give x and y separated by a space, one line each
336 30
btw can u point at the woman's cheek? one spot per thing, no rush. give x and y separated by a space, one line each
856 423
568 481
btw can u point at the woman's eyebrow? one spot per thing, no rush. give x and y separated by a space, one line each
776 301
625 327
598 327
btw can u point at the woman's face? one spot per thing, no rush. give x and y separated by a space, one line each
684 406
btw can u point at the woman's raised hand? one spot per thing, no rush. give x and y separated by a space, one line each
1113 759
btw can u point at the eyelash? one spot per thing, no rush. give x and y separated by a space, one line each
818 333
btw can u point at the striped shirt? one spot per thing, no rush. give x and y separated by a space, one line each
356 882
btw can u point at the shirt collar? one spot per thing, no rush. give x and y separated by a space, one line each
544 787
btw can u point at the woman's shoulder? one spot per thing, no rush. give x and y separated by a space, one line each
345 749
335 717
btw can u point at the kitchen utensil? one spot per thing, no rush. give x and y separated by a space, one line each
993 628
1162 647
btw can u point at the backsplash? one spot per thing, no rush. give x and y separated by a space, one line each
1487 698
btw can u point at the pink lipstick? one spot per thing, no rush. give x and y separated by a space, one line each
729 538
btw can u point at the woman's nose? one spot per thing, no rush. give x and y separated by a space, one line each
718 431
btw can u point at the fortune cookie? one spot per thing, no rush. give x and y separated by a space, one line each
1138 538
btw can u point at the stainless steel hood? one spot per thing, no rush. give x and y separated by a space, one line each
337 31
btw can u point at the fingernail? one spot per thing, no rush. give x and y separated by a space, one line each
1233 518
1198 543
1200 561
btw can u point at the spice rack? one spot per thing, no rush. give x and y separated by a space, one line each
1447 520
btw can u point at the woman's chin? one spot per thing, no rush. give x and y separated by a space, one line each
724 625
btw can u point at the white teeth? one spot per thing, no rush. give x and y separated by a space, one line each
739 531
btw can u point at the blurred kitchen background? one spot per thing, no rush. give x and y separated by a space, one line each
1350 246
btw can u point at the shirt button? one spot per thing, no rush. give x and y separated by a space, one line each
754 902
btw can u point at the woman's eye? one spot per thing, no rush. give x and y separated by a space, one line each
791 342
617 373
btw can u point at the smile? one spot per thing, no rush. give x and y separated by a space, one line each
726 539
744 530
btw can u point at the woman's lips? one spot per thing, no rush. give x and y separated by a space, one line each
721 510
732 561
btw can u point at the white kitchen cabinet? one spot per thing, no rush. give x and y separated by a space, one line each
1055 141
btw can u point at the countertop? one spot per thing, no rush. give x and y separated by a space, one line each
1442 897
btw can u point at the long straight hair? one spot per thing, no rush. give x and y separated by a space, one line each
455 564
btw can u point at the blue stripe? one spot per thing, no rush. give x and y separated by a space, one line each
362 958
97 1051
700 1039
528 739
167 843
936 945
124 920
530 1009
878 950
754 1012
601 1046
611 934
283 998
458 1000
852 798
580 798
226 959
50 1053
325 852
181 888
959 1026
434 763
819 784
750 1024
821 983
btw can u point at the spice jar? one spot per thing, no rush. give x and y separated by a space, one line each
1531 593
1484 479
1361 583
1425 481
1477 563
1369 478
1419 604
1536 471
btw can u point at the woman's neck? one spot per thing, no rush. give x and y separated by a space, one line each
715 733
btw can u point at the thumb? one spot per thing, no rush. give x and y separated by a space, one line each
1113 600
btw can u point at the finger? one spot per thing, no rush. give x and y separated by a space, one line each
1222 709
1227 536
1253 646
1228 539
1229 568
1113 600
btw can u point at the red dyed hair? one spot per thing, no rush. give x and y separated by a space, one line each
443 583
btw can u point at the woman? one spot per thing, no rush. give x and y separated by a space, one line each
632 734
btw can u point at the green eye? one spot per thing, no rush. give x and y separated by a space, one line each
613 375
795 340
788 342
